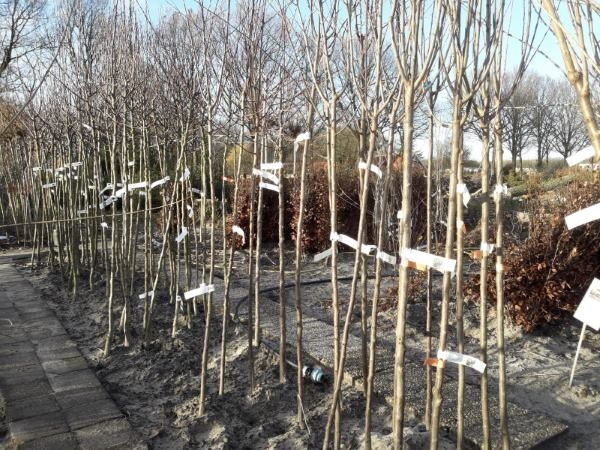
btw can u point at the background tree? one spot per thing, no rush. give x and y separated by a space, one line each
515 121
568 133
540 115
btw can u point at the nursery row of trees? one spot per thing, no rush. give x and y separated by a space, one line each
117 157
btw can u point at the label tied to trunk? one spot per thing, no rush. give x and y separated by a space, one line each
376 170
182 235
324 254
268 175
237 230
159 182
385 257
438 263
269 186
352 243
271 166
186 174
486 248
463 360
203 289
302 137
466 196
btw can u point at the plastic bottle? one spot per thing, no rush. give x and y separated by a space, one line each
315 374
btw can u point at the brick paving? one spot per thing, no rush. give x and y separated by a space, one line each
53 400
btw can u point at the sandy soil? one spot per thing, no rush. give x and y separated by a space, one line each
538 363
157 385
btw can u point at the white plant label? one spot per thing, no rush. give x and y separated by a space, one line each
486 248
131 163
466 196
186 174
149 294
269 186
190 211
104 225
302 137
269 176
49 185
140 185
196 191
352 243
464 360
36 169
272 166
366 249
344 239
159 182
120 193
588 310
109 201
400 215
203 289
386 257
583 216
500 190
581 156
237 230
183 234
376 170
438 263
324 254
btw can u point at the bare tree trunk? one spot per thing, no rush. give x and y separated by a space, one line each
460 343
500 291
450 227
404 237
428 368
485 207
378 268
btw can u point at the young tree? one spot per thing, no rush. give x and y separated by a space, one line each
579 50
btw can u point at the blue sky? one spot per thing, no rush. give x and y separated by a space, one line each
543 64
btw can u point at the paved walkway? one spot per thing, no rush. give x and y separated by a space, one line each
52 399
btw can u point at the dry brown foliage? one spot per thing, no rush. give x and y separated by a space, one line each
316 229
547 274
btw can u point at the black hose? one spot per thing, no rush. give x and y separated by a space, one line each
303 283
